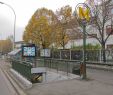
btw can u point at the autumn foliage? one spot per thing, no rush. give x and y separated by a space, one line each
5 46
47 28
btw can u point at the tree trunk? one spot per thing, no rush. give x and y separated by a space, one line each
63 45
43 45
103 52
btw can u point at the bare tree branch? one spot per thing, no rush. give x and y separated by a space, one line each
94 37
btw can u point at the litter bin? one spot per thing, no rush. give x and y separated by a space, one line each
76 70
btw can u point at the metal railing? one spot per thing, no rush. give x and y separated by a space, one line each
24 68
66 66
91 55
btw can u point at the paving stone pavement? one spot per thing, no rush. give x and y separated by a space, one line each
74 86
71 87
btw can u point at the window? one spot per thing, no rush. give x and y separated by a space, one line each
92 35
108 29
110 46
112 11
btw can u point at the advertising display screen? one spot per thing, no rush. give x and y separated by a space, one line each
28 51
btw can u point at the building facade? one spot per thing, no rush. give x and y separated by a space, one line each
93 31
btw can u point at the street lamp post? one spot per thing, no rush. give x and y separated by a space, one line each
83 18
14 22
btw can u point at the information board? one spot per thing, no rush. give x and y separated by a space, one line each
45 53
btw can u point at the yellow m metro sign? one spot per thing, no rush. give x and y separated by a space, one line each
84 13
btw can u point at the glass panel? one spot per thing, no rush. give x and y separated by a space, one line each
111 11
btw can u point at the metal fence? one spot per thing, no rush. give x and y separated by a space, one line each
62 60
91 55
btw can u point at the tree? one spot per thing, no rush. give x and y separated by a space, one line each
64 15
100 18
40 27
50 29
6 45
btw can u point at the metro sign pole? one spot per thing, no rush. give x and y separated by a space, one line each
83 16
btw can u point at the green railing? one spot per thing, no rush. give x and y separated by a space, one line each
24 68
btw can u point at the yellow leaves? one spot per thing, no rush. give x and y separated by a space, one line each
45 28
5 45
61 36
38 29
65 13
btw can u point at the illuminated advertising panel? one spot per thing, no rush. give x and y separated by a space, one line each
29 51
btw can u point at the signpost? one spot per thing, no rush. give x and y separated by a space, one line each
83 16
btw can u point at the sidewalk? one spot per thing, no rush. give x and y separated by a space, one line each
54 76
71 87
17 90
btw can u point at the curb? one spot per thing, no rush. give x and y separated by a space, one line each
106 68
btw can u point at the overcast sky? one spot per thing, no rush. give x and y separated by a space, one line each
24 9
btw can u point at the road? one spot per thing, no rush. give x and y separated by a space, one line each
5 86
102 76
